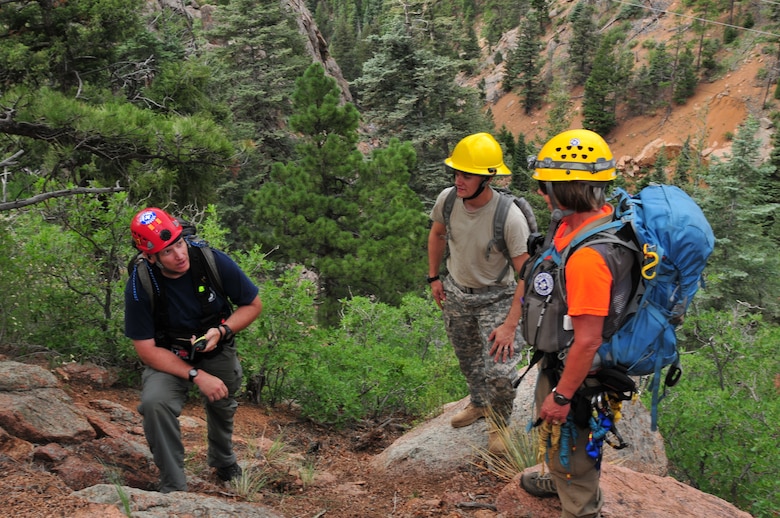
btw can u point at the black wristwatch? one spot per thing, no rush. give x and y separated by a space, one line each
228 332
560 398
431 279
193 373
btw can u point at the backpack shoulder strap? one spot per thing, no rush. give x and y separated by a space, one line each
141 269
449 203
499 222
213 272
204 264
505 201
144 273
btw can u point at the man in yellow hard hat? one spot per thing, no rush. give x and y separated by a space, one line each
479 295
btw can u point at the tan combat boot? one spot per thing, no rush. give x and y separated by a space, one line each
497 440
468 415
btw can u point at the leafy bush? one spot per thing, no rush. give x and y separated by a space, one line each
720 422
381 361
63 278
371 371
282 336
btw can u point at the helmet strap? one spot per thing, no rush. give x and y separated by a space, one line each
557 214
484 183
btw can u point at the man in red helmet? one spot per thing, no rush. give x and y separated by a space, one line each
187 301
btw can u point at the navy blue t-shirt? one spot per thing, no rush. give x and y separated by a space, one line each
184 307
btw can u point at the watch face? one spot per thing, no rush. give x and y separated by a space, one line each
193 373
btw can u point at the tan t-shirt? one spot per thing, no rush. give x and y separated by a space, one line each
468 237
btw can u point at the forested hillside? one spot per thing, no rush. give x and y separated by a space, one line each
224 114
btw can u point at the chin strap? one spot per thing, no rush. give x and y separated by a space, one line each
484 183
557 215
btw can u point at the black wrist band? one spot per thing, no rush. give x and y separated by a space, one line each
228 332
431 279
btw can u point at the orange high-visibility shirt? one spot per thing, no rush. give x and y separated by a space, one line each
588 279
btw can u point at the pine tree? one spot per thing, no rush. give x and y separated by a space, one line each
80 76
559 115
736 205
772 187
507 141
356 223
601 90
524 64
584 42
254 76
658 175
683 167
685 81
521 176
343 46
408 92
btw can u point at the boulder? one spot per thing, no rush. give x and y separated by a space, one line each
436 446
153 504
627 494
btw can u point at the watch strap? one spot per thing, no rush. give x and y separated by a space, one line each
228 332
560 398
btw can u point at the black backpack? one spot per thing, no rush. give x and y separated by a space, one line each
203 268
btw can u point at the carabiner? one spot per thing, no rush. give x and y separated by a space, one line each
651 264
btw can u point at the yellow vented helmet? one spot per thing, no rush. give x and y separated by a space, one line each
480 154
578 154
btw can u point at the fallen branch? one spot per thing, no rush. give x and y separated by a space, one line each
476 505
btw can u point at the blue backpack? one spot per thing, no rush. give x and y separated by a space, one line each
672 240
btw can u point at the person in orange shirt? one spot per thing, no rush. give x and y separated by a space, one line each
573 170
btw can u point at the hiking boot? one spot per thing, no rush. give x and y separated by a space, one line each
229 473
468 415
496 443
542 486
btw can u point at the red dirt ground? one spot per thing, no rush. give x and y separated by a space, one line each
341 487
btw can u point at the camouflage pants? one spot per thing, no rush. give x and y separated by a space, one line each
469 319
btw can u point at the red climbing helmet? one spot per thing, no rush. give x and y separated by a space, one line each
154 229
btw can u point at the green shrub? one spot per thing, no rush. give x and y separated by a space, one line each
720 422
383 361
63 278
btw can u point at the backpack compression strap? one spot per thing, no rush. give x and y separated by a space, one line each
499 222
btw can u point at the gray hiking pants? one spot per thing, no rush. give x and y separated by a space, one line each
578 483
162 399
469 318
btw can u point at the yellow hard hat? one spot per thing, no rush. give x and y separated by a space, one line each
479 153
578 154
